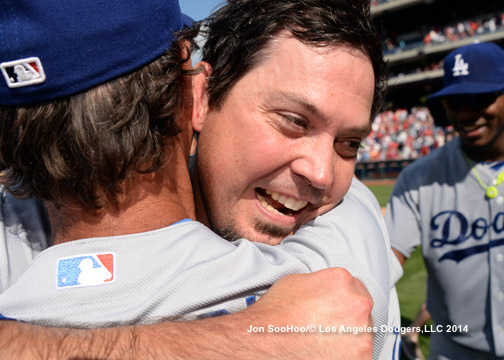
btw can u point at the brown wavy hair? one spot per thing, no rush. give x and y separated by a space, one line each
85 145
238 35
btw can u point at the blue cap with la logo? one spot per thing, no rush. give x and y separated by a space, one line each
473 69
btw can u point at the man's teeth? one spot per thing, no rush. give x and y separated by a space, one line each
288 202
471 127
268 206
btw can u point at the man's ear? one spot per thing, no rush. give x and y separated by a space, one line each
200 95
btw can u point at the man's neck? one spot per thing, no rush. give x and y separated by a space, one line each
201 212
485 154
148 202
493 151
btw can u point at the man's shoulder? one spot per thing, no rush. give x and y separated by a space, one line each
438 165
442 154
358 200
362 193
25 219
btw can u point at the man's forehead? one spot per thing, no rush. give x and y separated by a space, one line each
295 58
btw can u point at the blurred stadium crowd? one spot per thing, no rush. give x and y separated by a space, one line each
403 135
449 32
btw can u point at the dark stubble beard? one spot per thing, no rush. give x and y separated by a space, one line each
275 233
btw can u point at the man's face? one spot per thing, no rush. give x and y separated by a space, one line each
478 118
285 140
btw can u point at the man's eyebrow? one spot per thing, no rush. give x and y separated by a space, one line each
299 100
364 130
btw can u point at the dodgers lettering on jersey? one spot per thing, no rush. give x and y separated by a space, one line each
249 300
85 270
457 229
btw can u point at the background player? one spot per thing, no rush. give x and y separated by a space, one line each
452 203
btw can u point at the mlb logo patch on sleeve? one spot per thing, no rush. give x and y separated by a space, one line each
85 270
23 72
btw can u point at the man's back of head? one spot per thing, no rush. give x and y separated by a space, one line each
89 94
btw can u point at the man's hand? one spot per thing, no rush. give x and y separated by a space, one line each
325 299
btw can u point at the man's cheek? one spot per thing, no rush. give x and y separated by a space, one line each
310 215
326 207
332 198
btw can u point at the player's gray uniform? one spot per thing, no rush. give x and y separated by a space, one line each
438 203
187 271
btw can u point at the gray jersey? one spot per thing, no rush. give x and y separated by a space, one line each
23 235
438 203
107 281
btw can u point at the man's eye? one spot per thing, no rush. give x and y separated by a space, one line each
294 120
348 148
353 144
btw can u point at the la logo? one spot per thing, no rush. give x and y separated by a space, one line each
461 67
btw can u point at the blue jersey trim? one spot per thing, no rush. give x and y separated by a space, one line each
251 300
397 346
182 221
494 165
498 166
6 318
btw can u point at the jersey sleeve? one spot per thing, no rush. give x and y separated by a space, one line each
402 215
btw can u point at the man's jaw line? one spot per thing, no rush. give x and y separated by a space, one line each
483 152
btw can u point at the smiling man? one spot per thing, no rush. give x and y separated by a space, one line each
293 131
289 134
281 126
451 202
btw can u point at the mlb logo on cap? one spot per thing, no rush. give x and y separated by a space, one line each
23 72
85 270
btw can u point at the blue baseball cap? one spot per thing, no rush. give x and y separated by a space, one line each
53 48
473 69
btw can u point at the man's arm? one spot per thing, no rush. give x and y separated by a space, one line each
402 216
325 299
400 257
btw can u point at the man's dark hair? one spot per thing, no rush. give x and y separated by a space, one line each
239 33
86 144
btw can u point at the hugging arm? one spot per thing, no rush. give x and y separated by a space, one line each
298 300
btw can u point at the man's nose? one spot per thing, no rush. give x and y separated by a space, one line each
315 162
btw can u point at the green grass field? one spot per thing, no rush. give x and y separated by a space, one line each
382 192
411 287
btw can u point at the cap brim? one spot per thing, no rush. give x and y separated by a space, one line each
187 21
438 112
467 89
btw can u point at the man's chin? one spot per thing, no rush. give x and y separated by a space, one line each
228 232
262 232
477 145
271 234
